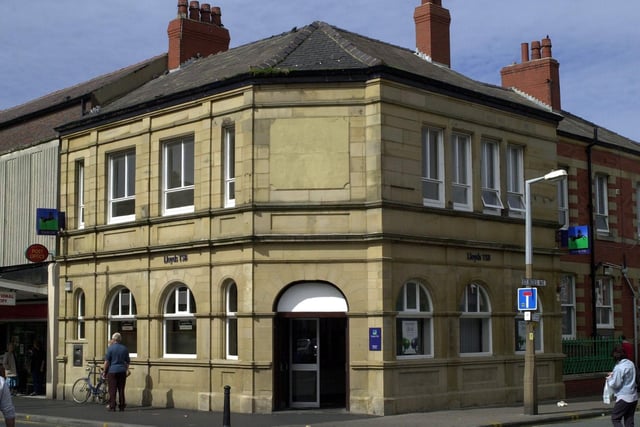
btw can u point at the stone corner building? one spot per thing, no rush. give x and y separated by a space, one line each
316 219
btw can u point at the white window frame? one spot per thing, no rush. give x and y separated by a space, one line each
490 171
568 305
432 167
604 302
601 203
80 310
231 321
476 307
515 180
129 195
187 147
177 313
415 315
521 331
80 193
563 203
125 311
229 138
461 172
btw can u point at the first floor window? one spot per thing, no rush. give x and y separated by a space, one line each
490 174
229 136
180 323
122 186
475 321
601 204
432 168
461 171
414 323
178 176
515 180
604 302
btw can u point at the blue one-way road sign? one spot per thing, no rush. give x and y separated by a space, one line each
527 299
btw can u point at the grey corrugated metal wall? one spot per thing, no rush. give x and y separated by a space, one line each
28 180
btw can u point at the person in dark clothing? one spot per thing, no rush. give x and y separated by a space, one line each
116 365
38 361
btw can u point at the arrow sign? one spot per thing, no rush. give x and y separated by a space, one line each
527 299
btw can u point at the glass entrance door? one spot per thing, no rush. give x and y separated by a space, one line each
304 362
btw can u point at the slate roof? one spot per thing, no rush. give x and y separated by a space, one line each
577 127
319 50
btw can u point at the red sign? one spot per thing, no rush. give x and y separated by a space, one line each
37 253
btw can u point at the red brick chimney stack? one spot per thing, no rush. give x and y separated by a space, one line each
538 76
432 31
196 31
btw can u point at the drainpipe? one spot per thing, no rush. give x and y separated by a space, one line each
592 249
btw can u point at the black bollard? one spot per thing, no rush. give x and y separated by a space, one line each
226 413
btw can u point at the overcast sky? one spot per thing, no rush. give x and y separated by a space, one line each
49 45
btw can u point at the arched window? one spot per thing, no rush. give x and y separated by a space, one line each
521 330
475 321
180 323
231 321
80 313
122 318
414 324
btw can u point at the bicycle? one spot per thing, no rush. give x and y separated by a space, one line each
84 388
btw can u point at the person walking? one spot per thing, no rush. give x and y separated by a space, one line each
623 383
11 370
38 360
116 365
6 403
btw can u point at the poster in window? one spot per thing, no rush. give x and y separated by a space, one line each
410 337
185 325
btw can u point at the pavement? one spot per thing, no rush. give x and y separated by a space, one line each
69 414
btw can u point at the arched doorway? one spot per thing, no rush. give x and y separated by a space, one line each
310 349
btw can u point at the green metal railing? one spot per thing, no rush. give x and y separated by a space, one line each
586 355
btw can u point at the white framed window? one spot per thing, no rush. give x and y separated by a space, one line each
414 322
521 331
490 171
80 312
229 137
604 302
568 305
178 176
231 321
432 167
80 193
122 187
122 318
601 195
179 325
515 180
461 172
475 321
563 203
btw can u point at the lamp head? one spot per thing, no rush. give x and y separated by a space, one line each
555 175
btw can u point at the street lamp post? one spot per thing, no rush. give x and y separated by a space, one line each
530 376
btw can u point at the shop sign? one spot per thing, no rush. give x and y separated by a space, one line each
7 298
37 253
375 336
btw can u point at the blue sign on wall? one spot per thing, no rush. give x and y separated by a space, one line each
375 339
527 299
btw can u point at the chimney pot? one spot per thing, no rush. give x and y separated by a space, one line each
524 51
546 47
194 10
205 13
535 50
216 16
182 8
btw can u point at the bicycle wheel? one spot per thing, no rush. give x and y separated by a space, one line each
80 390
